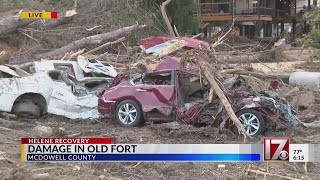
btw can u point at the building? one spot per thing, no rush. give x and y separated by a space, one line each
254 18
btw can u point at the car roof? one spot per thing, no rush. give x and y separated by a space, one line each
168 63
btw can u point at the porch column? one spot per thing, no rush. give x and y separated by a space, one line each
295 7
275 29
264 28
274 8
231 9
205 32
243 28
282 28
294 22
258 10
210 32
269 28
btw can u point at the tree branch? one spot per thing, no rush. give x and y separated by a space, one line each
165 17
105 45
91 40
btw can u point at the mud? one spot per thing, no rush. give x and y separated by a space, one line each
11 168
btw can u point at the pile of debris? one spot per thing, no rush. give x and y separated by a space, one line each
178 78
203 94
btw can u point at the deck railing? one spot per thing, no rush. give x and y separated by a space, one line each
224 8
250 11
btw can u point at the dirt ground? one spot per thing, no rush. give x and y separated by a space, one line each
11 168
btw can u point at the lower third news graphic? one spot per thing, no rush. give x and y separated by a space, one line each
103 150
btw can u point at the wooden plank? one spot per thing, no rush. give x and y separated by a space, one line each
266 18
215 14
216 18
170 49
217 3
237 18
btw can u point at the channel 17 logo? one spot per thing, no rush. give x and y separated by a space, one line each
276 149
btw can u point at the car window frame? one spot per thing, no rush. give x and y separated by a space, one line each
65 64
172 77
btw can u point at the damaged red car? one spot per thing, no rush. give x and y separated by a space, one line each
170 93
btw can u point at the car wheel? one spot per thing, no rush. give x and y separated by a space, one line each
252 121
26 110
128 113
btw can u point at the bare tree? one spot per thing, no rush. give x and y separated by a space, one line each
165 17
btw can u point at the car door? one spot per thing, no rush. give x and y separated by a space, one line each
65 103
61 95
157 92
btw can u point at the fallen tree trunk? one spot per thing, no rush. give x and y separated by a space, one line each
165 17
10 21
202 60
62 19
91 40
47 24
105 45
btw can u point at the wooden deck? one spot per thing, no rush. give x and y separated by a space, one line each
288 19
228 17
242 18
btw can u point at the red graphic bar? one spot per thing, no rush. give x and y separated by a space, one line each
66 140
54 15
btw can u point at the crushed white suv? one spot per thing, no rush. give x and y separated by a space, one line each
56 87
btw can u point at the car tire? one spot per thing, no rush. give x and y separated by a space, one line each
26 110
128 114
253 122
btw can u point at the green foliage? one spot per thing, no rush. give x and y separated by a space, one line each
182 13
313 19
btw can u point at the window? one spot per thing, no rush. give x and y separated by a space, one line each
60 76
5 75
65 67
55 75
